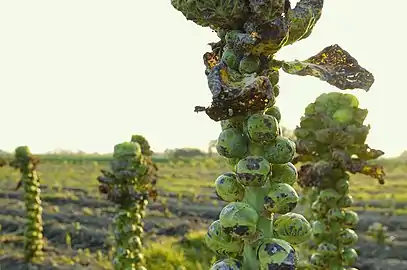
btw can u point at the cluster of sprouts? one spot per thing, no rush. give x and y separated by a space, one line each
257 229
26 163
129 183
331 146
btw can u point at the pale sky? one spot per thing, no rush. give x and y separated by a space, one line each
88 74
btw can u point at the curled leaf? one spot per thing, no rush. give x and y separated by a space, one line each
230 100
335 66
303 18
373 170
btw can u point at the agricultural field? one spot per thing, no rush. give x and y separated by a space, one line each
77 218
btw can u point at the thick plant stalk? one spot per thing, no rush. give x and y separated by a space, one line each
129 183
33 237
331 142
243 75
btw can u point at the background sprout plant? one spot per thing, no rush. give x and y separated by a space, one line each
243 76
331 144
26 163
129 183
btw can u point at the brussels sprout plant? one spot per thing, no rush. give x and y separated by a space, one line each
331 145
26 163
129 183
257 230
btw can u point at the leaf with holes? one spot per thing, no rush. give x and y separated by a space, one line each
335 66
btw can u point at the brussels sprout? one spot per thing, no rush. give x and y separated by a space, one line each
349 100
255 149
228 188
319 208
230 58
281 151
345 201
127 149
283 173
342 186
274 77
293 228
343 116
220 242
351 218
240 219
227 264
349 256
335 214
318 260
276 254
262 128
249 64
348 237
328 196
234 122
281 198
276 91
253 171
275 112
327 249
232 143
301 133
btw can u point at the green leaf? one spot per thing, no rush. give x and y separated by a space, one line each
335 66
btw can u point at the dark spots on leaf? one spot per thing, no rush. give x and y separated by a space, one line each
272 248
269 201
253 163
241 230
292 205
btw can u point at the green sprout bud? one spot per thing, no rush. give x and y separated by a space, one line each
234 122
274 77
276 254
284 173
262 128
351 218
127 149
275 112
231 143
281 151
343 116
318 260
319 229
327 249
345 201
342 186
319 208
230 58
220 242
253 171
349 256
329 196
335 214
228 188
349 100
249 64
276 93
293 228
281 198
227 264
348 237
239 218
255 149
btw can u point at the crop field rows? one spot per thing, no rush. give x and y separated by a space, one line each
76 218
